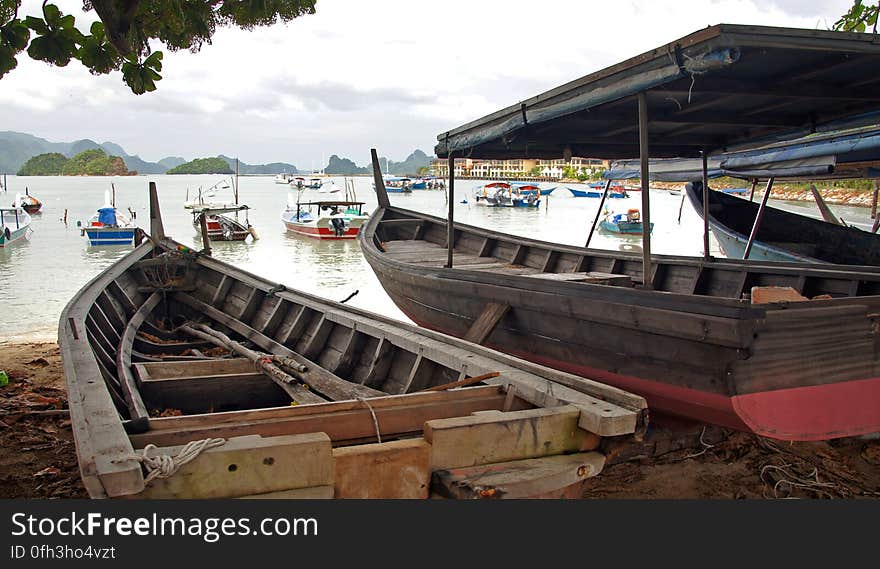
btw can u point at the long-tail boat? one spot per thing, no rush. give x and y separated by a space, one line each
693 335
252 389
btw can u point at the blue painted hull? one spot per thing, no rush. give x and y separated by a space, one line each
420 186
624 228
593 193
110 236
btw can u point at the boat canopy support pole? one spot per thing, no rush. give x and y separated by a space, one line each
203 224
758 218
381 192
644 155
752 194
598 212
705 156
826 212
157 230
450 226
873 201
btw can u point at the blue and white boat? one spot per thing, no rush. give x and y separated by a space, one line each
109 227
596 189
629 223
396 185
15 223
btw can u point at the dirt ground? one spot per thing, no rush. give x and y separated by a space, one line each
676 461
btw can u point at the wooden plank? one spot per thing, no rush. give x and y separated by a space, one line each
343 421
529 478
318 378
133 400
469 441
252 302
317 337
549 261
298 316
222 290
482 327
310 493
273 318
122 297
380 363
392 470
248 465
586 277
486 247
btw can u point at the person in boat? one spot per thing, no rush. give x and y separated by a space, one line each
337 222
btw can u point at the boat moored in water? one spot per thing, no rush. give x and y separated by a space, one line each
222 226
29 203
325 219
15 223
629 223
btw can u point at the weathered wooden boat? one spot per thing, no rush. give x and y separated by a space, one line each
30 204
682 331
222 227
15 224
692 345
629 223
616 192
276 393
325 219
783 236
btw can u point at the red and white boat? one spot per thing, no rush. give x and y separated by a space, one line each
325 219
222 227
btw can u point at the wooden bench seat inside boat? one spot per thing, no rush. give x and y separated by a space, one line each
587 277
206 386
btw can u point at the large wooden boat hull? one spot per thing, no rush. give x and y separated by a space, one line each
691 346
783 236
365 427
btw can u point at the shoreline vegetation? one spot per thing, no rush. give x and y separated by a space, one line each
94 162
678 460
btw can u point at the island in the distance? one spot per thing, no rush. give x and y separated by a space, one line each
214 165
94 162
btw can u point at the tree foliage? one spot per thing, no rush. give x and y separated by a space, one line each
94 162
859 18
49 164
122 39
203 166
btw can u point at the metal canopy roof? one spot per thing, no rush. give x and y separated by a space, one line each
719 89
854 154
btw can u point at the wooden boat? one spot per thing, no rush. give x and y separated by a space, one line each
629 223
325 219
108 226
397 185
30 204
690 334
314 184
614 192
503 194
783 236
15 223
304 397
694 346
526 188
222 227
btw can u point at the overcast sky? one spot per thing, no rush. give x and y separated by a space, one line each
390 74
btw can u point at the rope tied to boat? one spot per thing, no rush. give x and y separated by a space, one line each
375 421
276 289
165 465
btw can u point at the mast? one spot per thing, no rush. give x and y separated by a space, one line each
236 181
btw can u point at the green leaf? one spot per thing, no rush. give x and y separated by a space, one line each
140 78
36 24
54 48
15 35
52 15
154 61
7 60
97 31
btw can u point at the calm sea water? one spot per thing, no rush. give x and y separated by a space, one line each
38 277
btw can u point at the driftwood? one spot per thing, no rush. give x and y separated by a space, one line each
262 362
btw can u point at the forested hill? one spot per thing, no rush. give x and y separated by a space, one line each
214 165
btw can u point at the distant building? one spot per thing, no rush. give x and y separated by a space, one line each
522 167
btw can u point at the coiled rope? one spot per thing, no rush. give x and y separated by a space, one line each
165 465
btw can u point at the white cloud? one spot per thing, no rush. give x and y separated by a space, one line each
390 74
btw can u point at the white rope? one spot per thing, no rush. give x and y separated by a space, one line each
375 421
165 465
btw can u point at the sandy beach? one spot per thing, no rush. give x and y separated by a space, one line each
677 460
